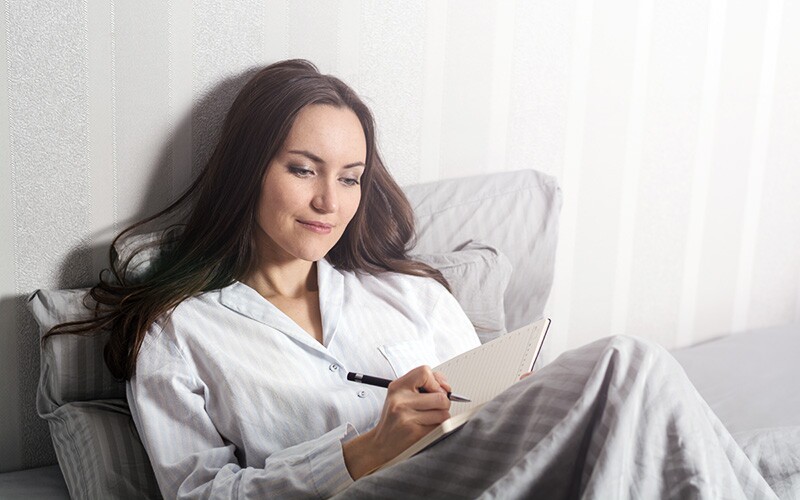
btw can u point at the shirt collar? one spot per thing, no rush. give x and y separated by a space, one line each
331 297
248 302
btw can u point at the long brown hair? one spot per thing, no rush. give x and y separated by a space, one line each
213 245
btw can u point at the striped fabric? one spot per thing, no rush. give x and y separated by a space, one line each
99 451
233 399
776 453
72 366
617 418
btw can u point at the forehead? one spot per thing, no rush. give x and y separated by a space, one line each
328 131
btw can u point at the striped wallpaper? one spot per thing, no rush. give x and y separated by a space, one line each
672 128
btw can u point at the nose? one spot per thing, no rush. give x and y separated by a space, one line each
325 199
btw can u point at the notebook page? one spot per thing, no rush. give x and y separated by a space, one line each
484 372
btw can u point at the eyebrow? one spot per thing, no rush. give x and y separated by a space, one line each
317 159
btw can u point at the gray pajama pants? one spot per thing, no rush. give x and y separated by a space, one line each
615 419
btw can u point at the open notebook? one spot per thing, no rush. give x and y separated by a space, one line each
481 374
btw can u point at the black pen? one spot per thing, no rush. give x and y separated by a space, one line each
383 382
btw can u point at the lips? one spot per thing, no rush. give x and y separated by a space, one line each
316 226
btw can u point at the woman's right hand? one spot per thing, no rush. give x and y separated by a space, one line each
407 415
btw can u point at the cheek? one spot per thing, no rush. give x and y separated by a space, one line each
352 206
277 202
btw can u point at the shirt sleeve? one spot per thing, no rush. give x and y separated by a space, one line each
190 458
453 332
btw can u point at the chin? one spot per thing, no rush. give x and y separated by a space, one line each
312 255
311 248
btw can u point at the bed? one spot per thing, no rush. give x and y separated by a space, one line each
494 237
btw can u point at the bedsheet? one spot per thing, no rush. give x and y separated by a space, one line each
750 380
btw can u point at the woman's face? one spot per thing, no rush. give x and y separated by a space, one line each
312 186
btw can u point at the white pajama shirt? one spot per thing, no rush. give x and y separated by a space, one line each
232 399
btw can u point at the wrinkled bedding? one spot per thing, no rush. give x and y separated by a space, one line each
776 454
617 418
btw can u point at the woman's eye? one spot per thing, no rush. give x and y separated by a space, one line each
351 182
300 171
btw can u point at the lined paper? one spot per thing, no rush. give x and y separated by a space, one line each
484 372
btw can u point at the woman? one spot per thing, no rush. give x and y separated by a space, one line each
291 269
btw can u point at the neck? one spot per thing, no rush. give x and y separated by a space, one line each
294 279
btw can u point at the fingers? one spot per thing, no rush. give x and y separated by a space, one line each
425 409
427 380
433 417
430 401
421 377
407 399
420 390
442 380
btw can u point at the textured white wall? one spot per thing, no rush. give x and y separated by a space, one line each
671 126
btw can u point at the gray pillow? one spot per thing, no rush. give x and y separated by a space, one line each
478 275
72 366
514 212
99 451
96 443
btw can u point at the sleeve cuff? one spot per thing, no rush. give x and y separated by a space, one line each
328 470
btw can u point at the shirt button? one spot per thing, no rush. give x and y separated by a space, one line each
362 394
333 367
